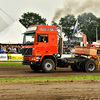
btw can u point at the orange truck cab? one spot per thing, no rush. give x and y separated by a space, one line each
40 44
42 52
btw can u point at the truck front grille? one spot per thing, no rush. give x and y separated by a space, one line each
27 51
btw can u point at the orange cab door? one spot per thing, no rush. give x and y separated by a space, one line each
42 47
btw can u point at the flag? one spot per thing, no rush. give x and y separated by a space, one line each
75 28
84 38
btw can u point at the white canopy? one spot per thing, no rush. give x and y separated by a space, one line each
5 20
3 24
12 34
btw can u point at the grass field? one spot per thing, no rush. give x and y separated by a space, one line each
12 63
67 78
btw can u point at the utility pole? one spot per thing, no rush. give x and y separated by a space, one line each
96 33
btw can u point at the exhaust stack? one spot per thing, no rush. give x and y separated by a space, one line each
61 43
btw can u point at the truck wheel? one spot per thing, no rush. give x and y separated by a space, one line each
48 65
90 66
35 68
75 68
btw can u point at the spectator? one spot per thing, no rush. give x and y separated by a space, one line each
19 49
68 50
2 47
1 50
73 50
63 49
9 49
13 50
5 50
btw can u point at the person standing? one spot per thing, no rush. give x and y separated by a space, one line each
1 50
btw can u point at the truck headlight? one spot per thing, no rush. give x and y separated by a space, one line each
33 58
38 58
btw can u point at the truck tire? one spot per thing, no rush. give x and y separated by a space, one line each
75 68
48 65
35 68
89 65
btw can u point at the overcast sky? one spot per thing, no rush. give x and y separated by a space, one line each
45 8
49 9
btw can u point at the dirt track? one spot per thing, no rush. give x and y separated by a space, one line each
65 90
25 71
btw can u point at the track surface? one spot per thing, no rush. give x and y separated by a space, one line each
61 90
25 71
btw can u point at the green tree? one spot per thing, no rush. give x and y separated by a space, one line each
67 23
31 18
87 24
55 24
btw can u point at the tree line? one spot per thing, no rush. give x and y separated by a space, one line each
87 23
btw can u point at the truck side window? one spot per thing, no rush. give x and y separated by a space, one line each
42 38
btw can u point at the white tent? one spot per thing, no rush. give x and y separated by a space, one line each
12 34
3 24
5 20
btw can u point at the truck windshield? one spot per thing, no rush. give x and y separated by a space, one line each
29 38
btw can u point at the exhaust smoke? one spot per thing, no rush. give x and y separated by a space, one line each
77 7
